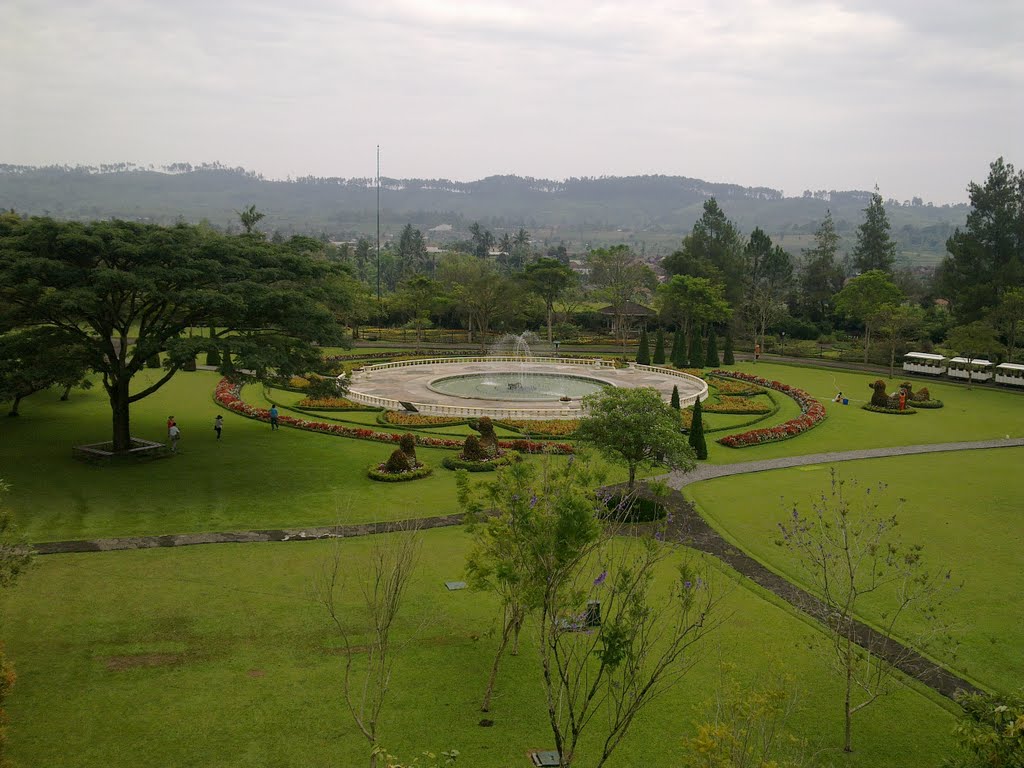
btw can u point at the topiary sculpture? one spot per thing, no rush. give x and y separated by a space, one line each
472 450
488 440
397 463
407 443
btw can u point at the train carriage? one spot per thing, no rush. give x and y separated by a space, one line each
1010 374
975 369
924 363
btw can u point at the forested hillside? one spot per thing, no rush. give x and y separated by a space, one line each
651 213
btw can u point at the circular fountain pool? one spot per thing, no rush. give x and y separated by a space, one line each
512 386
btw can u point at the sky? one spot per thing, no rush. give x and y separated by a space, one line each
914 97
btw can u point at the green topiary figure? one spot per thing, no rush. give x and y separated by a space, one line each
678 350
397 463
471 449
154 361
697 441
407 443
711 357
643 352
696 351
728 358
675 397
659 347
213 357
488 440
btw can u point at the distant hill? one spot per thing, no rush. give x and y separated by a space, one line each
651 213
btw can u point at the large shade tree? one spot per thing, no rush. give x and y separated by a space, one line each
126 291
548 279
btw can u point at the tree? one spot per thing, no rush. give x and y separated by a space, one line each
847 549
973 341
659 347
696 435
36 359
770 265
509 519
862 298
693 303
548 279
369 664
696 353
635 427
249 217
643 352
714 249
986 258
482 240
411 256
620 278
674 400
678 356
820 276
478 292
711 354
875 249
1009 315
762 310
124 292
990 733
898 324
728 357
419 297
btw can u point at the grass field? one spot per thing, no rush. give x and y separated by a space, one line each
217 656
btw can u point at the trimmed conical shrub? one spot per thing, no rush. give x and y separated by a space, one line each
643 352
213 357
154 361
675 397
696 351
711 357
696 436
678 350
659 348
727 357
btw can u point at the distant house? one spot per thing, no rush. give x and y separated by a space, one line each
441 228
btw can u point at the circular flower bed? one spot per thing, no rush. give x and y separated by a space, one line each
483 465
379 472
908 411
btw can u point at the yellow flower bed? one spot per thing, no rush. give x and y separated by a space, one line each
727 404
327 402
402 419
549 427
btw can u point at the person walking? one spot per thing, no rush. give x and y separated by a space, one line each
218 425
170 423
174 434
273 417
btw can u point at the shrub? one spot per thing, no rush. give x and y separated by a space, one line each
154 361
696 350
398 462
675 397
488 440
472 450
378 473
659 347
408 445
631 509
711 356
697 441
678 357
486 465
728 358
643 352
213 357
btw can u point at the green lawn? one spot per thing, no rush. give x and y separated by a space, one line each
217 656
964 507
975 414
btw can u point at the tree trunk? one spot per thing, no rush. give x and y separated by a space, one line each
119 407
632 477
505 632
14 408
551 310
516 626
867 342
892 360
847 710
67 392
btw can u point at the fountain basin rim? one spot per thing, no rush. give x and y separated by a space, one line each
509 396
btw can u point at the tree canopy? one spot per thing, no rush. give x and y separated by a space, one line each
125 291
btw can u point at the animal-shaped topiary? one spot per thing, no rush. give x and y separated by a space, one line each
472 450
882 400
407 443
397 463
921 396
488 440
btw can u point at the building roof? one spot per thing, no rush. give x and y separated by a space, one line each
630 308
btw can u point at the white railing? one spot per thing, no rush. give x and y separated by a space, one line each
590 362
436 409
685 401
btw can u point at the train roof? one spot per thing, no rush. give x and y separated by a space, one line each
924 356
1011 366
972 361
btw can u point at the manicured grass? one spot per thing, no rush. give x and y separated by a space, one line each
217 656
963 507
975 414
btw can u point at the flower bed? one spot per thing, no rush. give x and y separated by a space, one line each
545 427
379 473
332 404
228 395
486 465
812 413
737 404
892 411
734 388
418 419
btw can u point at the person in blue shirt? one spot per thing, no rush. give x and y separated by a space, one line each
273 417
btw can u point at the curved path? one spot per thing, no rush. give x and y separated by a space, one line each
688 528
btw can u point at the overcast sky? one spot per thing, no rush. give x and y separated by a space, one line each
916 97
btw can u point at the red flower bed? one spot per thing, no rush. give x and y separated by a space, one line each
229 395
812 413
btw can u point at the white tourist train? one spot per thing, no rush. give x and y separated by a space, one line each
979 370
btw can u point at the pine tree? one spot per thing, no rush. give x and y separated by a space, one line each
643 353
728 358
659 347
697 441
675 397
696 351
711 358
678 350
875 248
